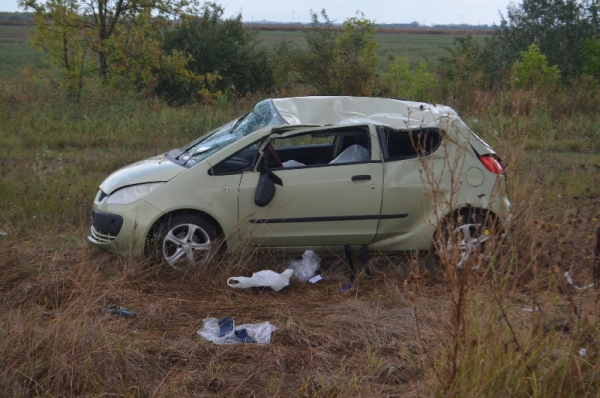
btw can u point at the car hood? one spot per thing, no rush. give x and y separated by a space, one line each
155 169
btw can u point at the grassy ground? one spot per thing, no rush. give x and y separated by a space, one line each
16 51
416 327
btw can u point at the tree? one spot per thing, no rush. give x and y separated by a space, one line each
124 35
533 72
416 85
463 72
339 63
591 56
558 27
62 41
216 47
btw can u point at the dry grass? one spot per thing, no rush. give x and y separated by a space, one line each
57 340
396 333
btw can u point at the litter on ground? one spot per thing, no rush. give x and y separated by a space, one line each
570 282
265 278
118 310
223 332
305 269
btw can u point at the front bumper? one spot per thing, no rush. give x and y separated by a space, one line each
122 228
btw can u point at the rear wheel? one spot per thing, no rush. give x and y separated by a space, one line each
465 238
187 241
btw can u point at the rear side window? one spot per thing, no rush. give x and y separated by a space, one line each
407 144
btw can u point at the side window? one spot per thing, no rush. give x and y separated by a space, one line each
407 144
321 149
238 162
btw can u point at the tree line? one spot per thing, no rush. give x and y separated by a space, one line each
184 51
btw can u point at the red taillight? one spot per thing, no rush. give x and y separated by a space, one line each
491 164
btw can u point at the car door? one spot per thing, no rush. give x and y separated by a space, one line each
329 202
409 157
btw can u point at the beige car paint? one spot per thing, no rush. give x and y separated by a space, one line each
426 189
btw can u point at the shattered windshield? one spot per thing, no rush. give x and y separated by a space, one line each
263 115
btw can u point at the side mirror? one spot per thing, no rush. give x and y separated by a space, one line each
265 190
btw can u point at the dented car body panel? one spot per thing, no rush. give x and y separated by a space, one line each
346 171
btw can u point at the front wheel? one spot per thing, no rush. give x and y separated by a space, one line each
187 241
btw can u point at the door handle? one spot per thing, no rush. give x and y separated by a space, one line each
362 177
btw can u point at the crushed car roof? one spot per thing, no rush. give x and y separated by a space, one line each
400 114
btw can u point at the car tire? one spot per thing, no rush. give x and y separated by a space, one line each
465 237
186 241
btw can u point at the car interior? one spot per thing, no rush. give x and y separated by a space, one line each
406 144
332 147
319 149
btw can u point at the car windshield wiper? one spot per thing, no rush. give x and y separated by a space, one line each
235 126
238 122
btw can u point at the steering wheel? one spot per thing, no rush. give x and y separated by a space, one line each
275 155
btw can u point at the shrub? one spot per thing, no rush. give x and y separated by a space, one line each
558 27
216 47
339 63
533 71
401 82
591 56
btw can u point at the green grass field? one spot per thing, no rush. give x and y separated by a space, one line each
416 47
416 327
16 51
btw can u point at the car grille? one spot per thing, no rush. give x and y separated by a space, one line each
100 237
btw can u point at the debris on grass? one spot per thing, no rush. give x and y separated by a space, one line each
265 278
118 310
305 269
570 282
222 332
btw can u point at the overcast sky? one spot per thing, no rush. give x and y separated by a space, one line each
382 11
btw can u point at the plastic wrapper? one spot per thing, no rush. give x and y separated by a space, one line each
305 269
266 278
259 333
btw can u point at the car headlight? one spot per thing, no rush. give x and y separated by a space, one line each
130 194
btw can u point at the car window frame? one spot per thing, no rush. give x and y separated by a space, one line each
384 144
337 131
251 166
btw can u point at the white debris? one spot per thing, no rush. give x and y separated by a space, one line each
261 332
265 278
570 282
305 269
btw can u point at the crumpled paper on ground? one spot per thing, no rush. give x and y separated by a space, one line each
261 332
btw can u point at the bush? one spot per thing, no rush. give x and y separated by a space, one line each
462 73
591 56
533 71
558 27
401 82
339 63
221 53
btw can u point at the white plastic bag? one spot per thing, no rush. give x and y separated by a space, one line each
305 269
261 332
266 278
